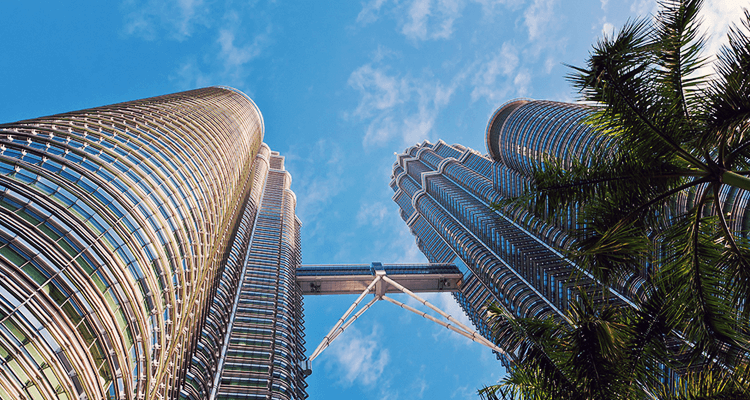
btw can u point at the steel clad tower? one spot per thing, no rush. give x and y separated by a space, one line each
150 250
446 194
124 235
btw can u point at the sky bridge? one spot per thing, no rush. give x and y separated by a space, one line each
354 278
381 279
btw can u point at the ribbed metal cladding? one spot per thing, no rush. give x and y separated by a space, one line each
525 132
116 224
266 345
201 375
511 264
522 131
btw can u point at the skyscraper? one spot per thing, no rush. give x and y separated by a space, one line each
150 250
259 303
446 195
123 235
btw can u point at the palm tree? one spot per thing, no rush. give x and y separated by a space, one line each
609 352
678 141
575 359
654 201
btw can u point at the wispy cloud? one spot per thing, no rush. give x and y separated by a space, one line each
380 91
175 19
229 58
421 20
235 56
428 19
397 106
717 16
372 214
538 17
231 36
316 182
642 8
420 384
230 64
359 357
370 12
189 75
493 79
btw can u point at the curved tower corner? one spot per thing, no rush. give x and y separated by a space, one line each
446 196
495 126
522 133
122 228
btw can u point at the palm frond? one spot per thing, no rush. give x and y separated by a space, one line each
622 76
650 328
690 275
648 209
728 96
595 345
678 55
536 344
709 384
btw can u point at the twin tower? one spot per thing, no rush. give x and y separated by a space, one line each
150 249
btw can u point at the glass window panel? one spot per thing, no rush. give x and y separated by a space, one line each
12 256
35 273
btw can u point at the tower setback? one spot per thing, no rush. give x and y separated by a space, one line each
446 195
124 232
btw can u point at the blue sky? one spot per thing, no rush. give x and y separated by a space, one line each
342 85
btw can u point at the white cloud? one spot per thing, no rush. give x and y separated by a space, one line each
642 8
360 358
488 6
233 56
316 183
397 107
421 385
522 82
550 63
421 20
379 91
382 53
431 19
538 17
605 3
147 18
486 80
234 62
407 251
236 33
372 213
416 25
608 29
370 12
380 130
503 76
465 393
189 75
717 15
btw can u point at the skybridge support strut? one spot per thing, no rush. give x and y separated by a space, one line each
379 287
333 333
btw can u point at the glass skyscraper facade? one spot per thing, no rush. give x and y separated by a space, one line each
125 233
446 195
150 249
259 305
